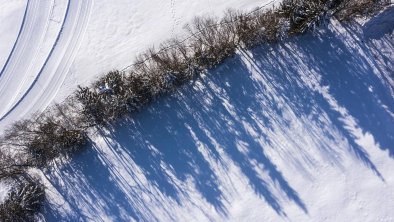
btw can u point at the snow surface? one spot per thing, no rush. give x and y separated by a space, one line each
300 131
11 13
5 188
379 26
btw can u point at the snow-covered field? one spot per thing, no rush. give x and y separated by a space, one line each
301 131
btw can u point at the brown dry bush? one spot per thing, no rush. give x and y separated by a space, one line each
244 26
273 26
23 202
94 110
174 60
10 165
304 15
210 42
42 139
139 91
349 9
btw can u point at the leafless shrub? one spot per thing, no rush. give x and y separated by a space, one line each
23 202
274 26
156 69
11 166
304 15
349 9
42 139
175 61
94 110
210 42
139 91
69 114
244 26
53 140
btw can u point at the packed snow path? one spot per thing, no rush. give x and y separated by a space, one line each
50 36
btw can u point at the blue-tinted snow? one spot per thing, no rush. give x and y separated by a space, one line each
260 126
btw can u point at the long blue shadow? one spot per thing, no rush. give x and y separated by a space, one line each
352 80
179 136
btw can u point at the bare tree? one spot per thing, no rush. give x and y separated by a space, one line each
23 202
349 9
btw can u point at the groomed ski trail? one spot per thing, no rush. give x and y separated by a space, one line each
55 68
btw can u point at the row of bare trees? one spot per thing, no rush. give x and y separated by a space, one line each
36 143
62 130
211 40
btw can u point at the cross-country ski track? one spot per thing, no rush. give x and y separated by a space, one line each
17 38
42 55
26 53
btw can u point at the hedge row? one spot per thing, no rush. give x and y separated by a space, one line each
62 130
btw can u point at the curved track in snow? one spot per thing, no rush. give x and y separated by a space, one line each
22 56
17 38
33 45
38 84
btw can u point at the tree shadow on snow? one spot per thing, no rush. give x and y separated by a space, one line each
173 131
180 135
353 81
89 191
227 114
